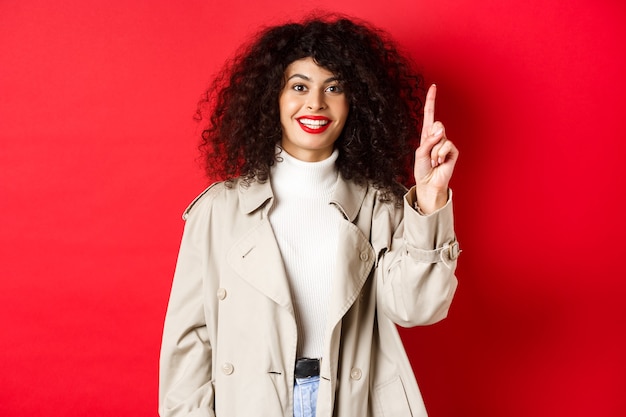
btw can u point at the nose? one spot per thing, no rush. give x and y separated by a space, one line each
316 100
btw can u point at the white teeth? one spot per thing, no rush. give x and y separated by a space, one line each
313 124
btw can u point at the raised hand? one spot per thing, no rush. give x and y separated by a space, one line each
434 160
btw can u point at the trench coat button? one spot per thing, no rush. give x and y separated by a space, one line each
364 256
228 368
356 374
221 293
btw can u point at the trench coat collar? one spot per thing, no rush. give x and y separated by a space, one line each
254 195
348 196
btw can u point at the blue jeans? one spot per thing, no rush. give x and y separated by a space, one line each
305 396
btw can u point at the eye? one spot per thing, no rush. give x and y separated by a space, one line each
299 87
334 89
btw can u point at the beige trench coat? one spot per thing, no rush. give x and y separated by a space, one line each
229 341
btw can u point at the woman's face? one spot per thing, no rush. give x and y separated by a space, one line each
313 111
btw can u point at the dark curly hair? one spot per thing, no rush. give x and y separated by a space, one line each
383 91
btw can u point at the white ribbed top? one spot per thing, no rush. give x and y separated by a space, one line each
306 228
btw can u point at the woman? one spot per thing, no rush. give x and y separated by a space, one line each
293 272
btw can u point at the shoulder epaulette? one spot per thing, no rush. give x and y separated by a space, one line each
195 200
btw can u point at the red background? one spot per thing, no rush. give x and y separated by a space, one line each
98 160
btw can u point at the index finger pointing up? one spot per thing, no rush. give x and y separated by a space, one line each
429 111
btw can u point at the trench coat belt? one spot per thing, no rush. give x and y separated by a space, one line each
307 367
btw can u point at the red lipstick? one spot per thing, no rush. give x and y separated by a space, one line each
314 124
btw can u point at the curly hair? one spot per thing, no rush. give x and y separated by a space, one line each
383 91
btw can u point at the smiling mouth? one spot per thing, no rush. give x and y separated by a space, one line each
310 125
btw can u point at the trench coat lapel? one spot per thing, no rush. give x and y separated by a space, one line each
256 256
355 257
355 260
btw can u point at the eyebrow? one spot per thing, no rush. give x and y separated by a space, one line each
304 77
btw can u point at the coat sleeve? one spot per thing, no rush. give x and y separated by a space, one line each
415 274
185 374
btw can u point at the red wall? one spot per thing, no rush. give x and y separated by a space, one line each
97 161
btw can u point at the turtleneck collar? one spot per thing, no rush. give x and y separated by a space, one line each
305 179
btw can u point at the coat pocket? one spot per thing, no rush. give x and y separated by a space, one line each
391 400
